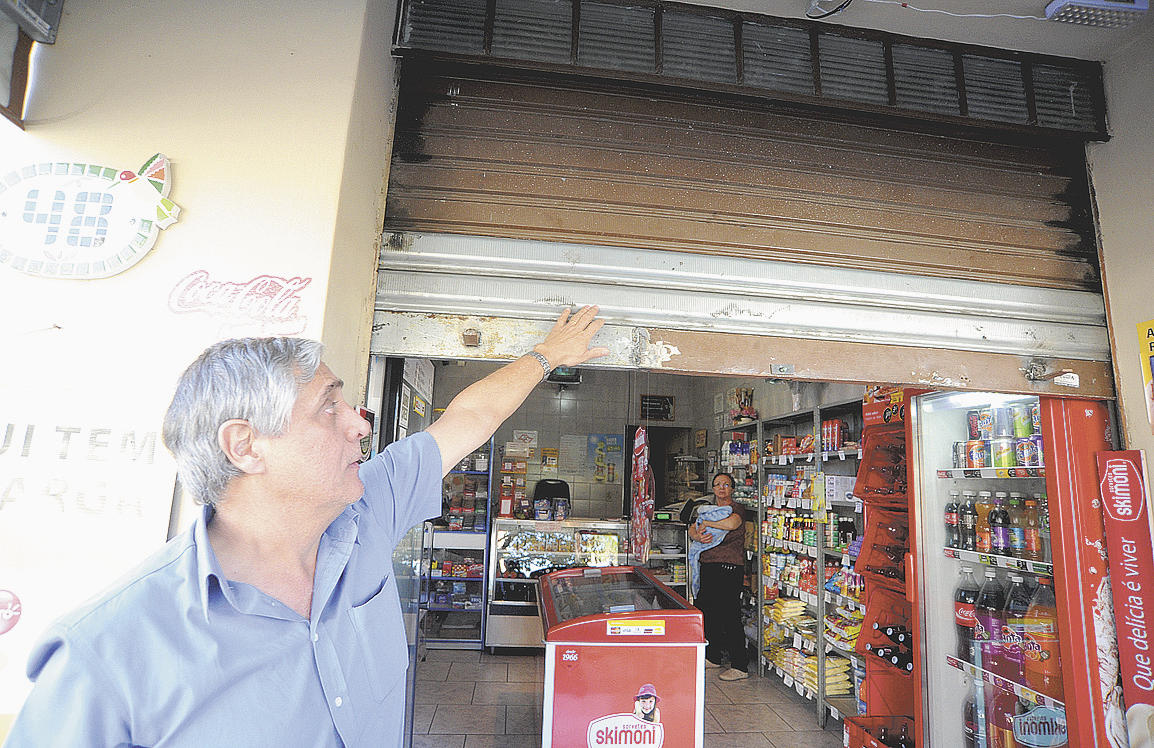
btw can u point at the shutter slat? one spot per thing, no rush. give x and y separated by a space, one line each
698 46
853 69
533 30
617 37
777 58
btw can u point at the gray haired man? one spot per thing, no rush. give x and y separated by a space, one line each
274 620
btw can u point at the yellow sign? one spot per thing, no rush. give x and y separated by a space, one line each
1146 356
636 628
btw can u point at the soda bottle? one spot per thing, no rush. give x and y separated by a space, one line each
1014 629
953 532
1042 662
1044 525
1032 531
982 527
988 628
884 736
904 740
973 718
999 521
1017 526
965 598
968 521
1004 706
900 533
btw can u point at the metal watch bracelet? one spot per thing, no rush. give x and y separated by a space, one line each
543 361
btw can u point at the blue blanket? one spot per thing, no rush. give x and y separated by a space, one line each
696 548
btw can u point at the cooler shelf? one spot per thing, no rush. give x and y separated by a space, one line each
993 472
999 682
1004 562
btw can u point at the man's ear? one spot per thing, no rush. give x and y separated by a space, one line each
237 439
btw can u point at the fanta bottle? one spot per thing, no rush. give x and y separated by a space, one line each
1042 662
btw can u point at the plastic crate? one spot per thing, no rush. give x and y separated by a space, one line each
860 732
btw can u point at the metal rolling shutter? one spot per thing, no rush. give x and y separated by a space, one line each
718 208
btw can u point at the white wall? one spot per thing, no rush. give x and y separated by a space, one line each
1123 183
277 119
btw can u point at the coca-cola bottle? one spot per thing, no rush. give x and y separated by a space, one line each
973 718
953 531
1014 629
965 598
968 522
988 628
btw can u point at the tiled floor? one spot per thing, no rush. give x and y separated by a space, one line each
477 700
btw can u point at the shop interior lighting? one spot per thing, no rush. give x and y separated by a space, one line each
1104 13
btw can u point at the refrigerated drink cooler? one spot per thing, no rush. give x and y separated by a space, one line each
1018 646
624 661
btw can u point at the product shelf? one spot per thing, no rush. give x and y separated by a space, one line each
998 681
841 706
1003 562
993 472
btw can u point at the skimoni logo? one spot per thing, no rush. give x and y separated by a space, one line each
624 729
1122 495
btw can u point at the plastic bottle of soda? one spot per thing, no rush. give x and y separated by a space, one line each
988 628
999 521
1014 629
953 532
1017 526
1043 664
973 719
968 521
984 504
1044 525
965 598
1003 707
1031 523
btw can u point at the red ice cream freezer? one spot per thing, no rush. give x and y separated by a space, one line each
624 661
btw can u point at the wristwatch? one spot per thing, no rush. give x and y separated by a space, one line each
543 361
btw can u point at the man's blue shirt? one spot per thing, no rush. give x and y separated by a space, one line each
177 655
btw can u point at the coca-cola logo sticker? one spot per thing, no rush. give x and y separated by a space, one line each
1123 497
262 305
625 729
9 611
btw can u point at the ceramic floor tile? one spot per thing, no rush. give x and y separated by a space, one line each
747 718
523 720
452 655
527 670
433 670
711 724
478 671
738 740
468 719
502 741
440 692
438 741
422 718
714 694
753 690
806 739
798 711
520 694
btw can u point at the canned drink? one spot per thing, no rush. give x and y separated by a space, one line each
985 424
1002 452
1036 417
1023 421
977 453
959 454
972 430
1026 452
1037 438
1003 419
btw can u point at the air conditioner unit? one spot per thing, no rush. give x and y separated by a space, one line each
1106 13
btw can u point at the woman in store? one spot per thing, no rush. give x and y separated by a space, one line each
722 571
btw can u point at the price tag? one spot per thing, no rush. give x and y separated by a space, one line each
834 713
790 459
788 680
987 559
809 458
797 643
799 688
841 454
857 505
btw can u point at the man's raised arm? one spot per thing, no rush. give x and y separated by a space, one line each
475 414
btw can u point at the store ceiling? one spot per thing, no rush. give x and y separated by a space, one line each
1044 37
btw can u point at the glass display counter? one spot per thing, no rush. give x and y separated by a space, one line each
624 660
522 550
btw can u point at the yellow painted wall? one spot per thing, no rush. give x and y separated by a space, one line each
277 118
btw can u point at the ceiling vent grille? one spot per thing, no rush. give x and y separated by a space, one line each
758 55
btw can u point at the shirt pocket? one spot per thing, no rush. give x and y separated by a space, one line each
381 641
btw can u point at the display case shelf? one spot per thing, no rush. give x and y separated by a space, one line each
1003 562
993 472
998 681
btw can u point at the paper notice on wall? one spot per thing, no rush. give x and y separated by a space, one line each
1146 365
403 412
549 458
419 373
571 460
